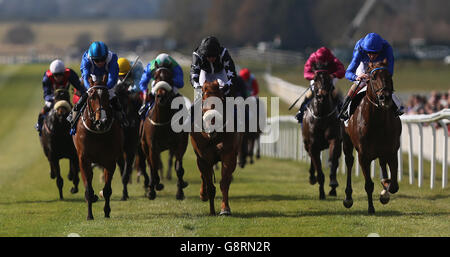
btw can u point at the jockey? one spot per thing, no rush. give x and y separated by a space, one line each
163 60
56 77
251 84
371 48
132 80
211 61
322 59
96 63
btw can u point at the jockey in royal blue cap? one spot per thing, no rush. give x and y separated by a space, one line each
96 63
371 48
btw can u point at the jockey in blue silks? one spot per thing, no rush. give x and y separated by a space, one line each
371 48
163 60
97 62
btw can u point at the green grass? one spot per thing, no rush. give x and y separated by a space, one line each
269 198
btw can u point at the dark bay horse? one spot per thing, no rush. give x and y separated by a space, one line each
374 131
211 147
131 103
321 130
57 142
250 139
99 139
158 135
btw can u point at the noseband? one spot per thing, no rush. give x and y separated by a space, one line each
91 113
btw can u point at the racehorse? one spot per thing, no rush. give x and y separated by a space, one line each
57 142
131 103
213 146
374 131
250 138
321 130
99 139
158 135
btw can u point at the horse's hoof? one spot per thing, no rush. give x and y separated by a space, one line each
101 194
225 212
94 199
52 175
90 217
384 197
251 162
159 187
393 188
371 210
312 180
332 192
152 195
74 190
322 196
124 198
348 203
204 198
180 196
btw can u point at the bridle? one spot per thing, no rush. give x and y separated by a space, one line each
91 112
335 109
377 104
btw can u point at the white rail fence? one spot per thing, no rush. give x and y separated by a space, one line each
420 138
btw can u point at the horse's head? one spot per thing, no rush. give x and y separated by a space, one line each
212 95
323 85
61 110
163 86
380 87
99 110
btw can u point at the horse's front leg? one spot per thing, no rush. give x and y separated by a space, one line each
107 190
385 182
315 159
54 165
181 184
333 160
74 170
349 159
86 175
393 167
228 167
154 164
207 190
365 166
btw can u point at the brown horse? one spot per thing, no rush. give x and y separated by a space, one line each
213 147
99 139
374 131
321 130
158 135
131 103
250 139
57 142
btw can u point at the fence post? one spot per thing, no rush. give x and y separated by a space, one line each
410 155
433 157
420 174
444 155
400 161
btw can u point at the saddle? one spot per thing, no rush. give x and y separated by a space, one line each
354 103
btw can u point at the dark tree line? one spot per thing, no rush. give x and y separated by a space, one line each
304 23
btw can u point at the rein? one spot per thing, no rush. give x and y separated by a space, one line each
91 113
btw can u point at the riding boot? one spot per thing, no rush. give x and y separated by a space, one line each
146 106
398 107
343 115
39 123
119 112
301 111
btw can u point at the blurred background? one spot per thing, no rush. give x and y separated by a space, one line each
265 35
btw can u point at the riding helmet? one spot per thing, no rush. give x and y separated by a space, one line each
57 66
210 47
372 42
98 51
163 60
124 66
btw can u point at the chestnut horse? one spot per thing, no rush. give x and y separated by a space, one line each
131 103
321 130
374 131
211 147
57 142
158 135
99 139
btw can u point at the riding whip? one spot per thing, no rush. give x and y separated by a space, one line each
299 97
134 64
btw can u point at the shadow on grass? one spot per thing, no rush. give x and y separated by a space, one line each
74 200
